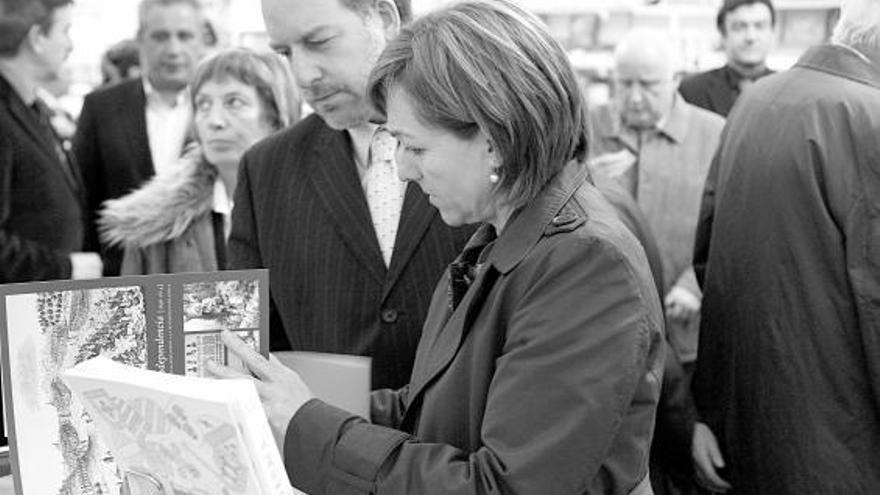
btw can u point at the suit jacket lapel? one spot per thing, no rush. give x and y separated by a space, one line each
28 120
135 124
335 179
415 218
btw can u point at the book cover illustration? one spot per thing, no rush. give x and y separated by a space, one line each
181 435
49 327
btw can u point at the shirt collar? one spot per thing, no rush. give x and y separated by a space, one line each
221 203
154 98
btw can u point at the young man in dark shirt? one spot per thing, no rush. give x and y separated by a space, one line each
747 32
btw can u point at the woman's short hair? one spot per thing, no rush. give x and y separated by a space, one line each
266 72
859 24
489 65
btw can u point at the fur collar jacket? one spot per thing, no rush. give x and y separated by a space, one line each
163 208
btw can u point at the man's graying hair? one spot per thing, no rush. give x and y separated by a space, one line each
404 7
859 24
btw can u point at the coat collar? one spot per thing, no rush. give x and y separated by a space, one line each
527 226
842 61
445 331
134 122
163 208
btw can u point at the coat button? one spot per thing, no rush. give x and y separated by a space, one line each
389 315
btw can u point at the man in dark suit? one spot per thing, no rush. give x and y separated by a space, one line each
746 28
42 217
129 131
302 208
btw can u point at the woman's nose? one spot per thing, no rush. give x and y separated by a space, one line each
217 117
406 170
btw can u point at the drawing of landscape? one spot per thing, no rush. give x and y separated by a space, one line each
184 446
49 332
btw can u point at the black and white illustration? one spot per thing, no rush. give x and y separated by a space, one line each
54 331
221 305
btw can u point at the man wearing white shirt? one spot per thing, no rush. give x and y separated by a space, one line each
132 130
167 125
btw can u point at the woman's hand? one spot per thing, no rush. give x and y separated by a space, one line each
281 389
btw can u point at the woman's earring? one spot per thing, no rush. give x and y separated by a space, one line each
494 178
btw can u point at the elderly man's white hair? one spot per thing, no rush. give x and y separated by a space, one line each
649 44
859 23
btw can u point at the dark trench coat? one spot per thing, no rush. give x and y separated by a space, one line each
788 372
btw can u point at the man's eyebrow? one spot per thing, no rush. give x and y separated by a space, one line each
315 31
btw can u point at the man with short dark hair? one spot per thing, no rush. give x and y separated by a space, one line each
132 130
42 218
747 30
354 252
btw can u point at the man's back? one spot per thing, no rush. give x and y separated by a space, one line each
301 212
787 376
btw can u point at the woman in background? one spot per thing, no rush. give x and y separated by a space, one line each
538 370
179 221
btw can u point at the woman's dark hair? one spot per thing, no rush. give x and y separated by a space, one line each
491 66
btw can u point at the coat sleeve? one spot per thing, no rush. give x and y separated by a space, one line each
863 266
581 324
704 221
23 260
387 406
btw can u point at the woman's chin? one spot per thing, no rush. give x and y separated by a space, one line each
224 161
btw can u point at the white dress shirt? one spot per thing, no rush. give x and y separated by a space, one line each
167 126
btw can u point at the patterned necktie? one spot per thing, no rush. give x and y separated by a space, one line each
384 191
463 270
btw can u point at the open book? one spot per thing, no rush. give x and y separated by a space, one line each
176 434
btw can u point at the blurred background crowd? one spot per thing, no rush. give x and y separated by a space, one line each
588 29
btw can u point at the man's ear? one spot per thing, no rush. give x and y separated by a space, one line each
389 17
35 39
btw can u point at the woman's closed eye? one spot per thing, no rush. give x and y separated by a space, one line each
412 150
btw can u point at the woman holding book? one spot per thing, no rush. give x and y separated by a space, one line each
540 360
179 221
